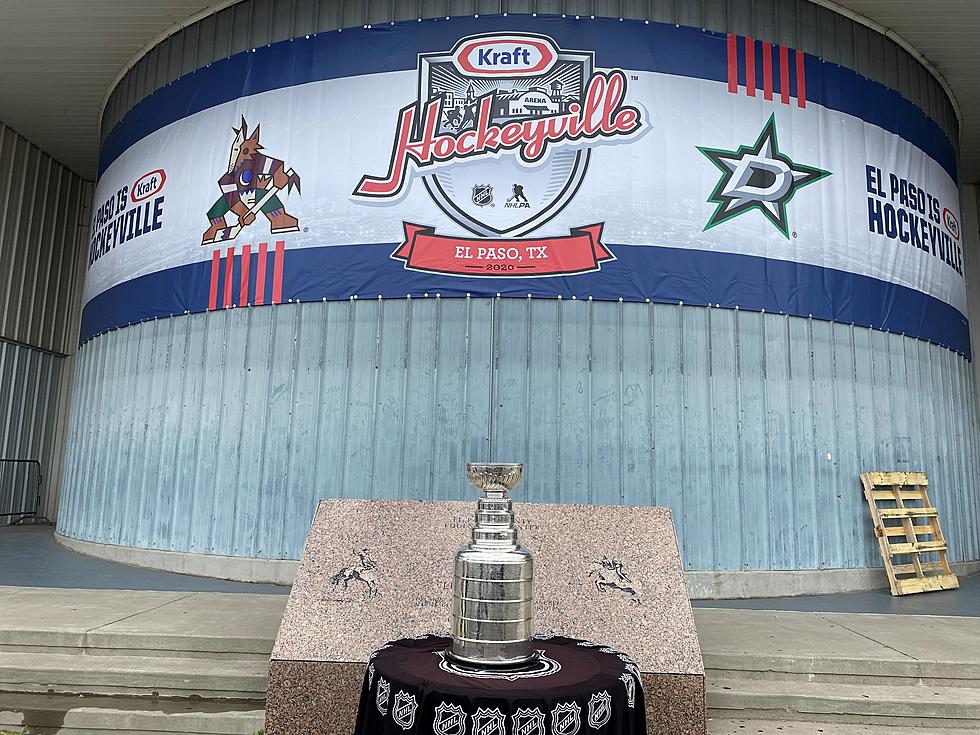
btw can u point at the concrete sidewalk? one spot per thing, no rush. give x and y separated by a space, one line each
768 671
139 620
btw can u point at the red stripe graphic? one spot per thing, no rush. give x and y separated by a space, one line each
800 80
784 74
732 63
277 272
246 262
215 272
260 274
750 66
229 269
767 70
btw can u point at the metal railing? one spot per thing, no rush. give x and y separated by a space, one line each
21 490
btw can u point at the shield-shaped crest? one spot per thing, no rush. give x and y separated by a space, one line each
630 683
566 718
527 721
600 709
403 710
450 719
489 721
482 195
381 696
549 83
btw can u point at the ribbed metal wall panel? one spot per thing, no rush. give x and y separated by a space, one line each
43 227
217 433
30 386
796 23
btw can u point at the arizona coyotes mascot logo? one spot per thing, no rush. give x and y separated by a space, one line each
251 184
501 135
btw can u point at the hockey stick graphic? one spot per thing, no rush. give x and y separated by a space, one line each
230 233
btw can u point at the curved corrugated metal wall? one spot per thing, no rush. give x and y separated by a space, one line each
216 433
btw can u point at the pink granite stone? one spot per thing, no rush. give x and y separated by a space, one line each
330 628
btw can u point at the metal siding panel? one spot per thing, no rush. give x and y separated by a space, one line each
726 417
29 402
668 409
575 396
636 461
723 428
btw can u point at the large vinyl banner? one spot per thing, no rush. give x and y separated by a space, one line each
530 156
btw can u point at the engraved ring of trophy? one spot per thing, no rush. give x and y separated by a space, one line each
493 589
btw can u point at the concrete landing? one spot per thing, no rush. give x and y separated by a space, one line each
30 557
768 672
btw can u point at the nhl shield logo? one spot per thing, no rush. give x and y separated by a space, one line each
381 697
600 709
566 718
527 721
403 710
489 721
482 195
450 719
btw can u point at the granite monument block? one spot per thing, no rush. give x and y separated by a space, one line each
378 570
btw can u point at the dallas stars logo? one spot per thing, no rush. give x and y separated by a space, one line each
758 177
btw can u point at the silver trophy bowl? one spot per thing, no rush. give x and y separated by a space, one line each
493 596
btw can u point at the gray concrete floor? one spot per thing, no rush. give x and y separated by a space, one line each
964 602
29 557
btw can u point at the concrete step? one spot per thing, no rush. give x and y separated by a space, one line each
907 706
136 643
42 714
844 670
133 675
721 726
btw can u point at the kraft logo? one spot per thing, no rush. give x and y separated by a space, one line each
147 185
504 55
952 224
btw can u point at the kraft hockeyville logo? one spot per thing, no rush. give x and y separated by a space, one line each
130 212
525 116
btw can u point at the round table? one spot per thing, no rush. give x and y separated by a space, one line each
575 686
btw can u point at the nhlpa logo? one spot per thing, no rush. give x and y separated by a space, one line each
600 709
450 719
381 697
488 721
528 721
403 710
566 718
502 108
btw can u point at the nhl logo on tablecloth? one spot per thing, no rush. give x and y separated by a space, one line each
403 710
450 719
528 721
489 721
566 718
600 709
381 698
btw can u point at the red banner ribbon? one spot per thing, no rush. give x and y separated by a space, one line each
578 252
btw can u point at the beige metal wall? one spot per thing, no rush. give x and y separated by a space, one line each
44 212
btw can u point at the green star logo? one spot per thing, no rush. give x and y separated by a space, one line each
757 177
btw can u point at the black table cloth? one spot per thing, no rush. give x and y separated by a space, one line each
575 687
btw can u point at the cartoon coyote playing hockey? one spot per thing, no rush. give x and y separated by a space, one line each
251 185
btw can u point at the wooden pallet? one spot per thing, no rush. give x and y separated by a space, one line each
897 501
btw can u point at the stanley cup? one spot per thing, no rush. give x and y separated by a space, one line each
492 580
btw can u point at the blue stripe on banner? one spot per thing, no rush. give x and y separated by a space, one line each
631 45
661 274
